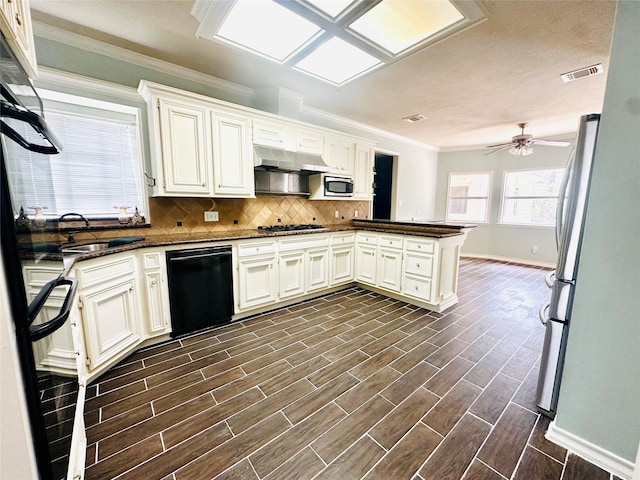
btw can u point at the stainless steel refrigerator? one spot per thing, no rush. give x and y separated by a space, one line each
556 315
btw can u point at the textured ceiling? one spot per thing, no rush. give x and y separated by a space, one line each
473 88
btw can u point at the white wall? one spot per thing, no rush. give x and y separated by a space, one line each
492 239
600 394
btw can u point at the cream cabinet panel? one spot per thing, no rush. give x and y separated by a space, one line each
232 157
339 155
309 141
257 282
363 175
317 269
418 264
342 264
111 321
186 153
419 288
274 134
449 256
366 264
15 24
157 303
389 269
291 274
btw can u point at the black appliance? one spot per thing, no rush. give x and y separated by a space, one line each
291 227
50 397
200 288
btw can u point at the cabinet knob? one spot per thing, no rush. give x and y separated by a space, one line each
18 19
417 265
131 289
154 281
77 353
73 324
419 246
416 287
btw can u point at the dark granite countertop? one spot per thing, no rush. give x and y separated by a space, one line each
435 230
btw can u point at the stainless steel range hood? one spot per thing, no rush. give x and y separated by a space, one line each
272 158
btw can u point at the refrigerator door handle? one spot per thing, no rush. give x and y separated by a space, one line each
543 314
561 196
549 278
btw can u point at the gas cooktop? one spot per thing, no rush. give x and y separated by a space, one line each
288 228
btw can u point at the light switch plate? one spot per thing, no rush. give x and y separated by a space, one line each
211 217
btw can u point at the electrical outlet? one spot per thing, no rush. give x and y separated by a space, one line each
355 214
336 214
211 217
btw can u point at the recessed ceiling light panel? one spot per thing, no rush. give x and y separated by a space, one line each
266 28
337 62
397 26
333 8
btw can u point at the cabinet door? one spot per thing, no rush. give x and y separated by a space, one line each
366 264
342 264
317 268
232 164
157 303
257 282
363 173
15 22
111 321
186 156
339 154
389 269
309 141
273 134
291 274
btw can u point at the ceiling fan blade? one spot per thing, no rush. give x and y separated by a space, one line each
542 141
500 145
504 147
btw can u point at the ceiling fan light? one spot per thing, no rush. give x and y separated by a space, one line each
521 150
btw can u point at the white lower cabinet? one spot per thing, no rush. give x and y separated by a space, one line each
257 281
156 293
110 308
366 257
389 269
317 269
291 278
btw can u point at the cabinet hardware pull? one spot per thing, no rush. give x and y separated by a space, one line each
153 282
152 179
18 19
417 265
131 289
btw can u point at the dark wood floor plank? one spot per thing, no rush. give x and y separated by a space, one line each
384 342
479 348
209 369
446 335
198 351
115 383
345 433
578 468
125 459
240 471
406 457
277 452
446 413
399 390
272 357
526 394
348 347
354 462
311 352
391 429
457 450
303 466
264 408
367 389
446 353
486 369
231 388
336 368
233 451
415 338
446 378
538 441
495 398
301 335
508 439
174 458
115 424
320 397
388 327
414 356
520 363
535 464
293 375
479 471
112 396
368 367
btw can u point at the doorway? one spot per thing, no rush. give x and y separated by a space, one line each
383 186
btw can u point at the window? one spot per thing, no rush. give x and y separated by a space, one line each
98 170
468 197
531 196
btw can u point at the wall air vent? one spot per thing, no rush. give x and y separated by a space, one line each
582 73
414 118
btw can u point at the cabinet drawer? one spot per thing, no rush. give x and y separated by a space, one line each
416 245
302 242
367 238
418 288
38 276
390 241
342 238
152 260
256 248
104 270
419 264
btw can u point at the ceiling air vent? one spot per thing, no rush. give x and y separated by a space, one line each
582 73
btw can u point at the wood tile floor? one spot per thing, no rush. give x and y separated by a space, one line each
347 386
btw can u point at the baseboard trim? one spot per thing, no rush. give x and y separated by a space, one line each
498 258
597 455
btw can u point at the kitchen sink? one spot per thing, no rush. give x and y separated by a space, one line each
88 248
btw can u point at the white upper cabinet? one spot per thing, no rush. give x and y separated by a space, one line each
339 155
185 145
309 141
232 160
15 24
363 172
274 134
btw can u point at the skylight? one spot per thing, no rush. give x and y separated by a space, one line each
335 41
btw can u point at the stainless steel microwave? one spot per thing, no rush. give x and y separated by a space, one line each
327 186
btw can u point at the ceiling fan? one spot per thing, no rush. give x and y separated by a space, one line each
523 144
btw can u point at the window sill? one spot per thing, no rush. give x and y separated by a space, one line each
94 225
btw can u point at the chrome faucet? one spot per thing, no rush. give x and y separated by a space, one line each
86 222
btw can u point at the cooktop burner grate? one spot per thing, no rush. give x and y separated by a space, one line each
288 228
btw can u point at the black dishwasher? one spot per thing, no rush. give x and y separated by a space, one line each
200 288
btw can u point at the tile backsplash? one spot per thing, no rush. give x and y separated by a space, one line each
249 213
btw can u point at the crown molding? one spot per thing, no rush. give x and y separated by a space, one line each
96 46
